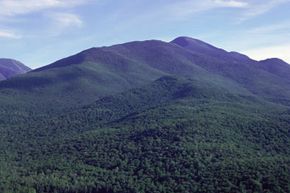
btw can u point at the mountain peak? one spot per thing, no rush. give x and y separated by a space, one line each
185 41
200 47
276 66
197 46
274 60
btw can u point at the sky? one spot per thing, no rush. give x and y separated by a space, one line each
39 32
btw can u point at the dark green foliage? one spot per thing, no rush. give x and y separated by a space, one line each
174 135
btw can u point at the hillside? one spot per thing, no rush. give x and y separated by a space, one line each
147 116
10 68
198 138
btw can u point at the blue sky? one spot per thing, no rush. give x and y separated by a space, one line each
38 32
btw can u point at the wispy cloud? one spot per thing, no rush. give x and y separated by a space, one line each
190 7
230 3
9 34
258 7
60 23
19 7
247 8
57 14
65 20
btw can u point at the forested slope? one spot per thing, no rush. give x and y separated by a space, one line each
187 137
147 116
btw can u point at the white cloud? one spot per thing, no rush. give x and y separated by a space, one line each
14 10
65 20
60 23
9 34
190 7
247 8
276 51
259 7
230 3
19 7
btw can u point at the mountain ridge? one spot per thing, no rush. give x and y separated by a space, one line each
97 72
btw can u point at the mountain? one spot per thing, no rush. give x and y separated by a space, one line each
98 72
10 68
147 116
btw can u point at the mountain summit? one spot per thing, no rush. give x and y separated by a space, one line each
195 45
200 47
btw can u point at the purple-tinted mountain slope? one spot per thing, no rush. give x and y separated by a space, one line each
276 66
10 68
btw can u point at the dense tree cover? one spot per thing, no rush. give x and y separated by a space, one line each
170 136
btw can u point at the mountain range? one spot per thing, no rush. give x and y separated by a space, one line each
147 116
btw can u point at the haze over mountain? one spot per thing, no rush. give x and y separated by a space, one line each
10 68
147 116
